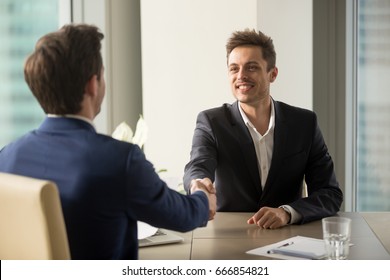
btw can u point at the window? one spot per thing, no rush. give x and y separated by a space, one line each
351 81
373 106
22 23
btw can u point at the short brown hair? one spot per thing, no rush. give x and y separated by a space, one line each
61 65
253 38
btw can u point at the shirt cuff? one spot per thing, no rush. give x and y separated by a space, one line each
295 216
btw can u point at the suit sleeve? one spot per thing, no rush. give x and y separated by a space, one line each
324 194
203 159
150 200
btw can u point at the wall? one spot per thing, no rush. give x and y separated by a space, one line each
121 50
289 23
184 64
333 81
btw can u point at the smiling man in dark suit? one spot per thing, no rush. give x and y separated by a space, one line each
258 151
105 185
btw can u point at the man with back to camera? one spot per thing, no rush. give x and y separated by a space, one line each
105 185
257 151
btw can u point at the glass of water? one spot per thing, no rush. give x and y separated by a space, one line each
336 233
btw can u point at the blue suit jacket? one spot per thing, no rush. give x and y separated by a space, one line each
223 150
105 186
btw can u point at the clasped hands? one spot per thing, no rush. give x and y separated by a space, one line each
205 185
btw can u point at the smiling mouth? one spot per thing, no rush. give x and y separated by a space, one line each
244 87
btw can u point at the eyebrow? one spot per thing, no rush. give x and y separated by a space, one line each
248 63
252 62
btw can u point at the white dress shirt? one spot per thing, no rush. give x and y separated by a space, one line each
264 145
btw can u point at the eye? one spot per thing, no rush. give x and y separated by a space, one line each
233 69
252 68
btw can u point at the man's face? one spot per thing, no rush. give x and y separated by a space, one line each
248 76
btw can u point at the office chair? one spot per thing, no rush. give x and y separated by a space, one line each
31 220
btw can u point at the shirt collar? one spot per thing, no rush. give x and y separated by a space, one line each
271 124
71 116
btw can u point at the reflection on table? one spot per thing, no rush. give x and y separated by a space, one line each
228 236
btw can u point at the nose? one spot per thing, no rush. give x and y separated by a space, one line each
241 75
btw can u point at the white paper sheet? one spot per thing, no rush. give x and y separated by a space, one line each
145 230
294 248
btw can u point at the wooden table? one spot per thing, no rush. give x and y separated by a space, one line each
228 236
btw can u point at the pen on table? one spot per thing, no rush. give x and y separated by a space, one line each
279 250
283 245
302 255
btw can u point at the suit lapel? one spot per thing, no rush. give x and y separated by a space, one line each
246 145
280 142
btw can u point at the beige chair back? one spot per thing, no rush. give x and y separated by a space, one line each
31 220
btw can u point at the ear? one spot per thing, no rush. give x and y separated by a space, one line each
273 74
91 88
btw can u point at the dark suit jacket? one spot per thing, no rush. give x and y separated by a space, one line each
105 186
223 150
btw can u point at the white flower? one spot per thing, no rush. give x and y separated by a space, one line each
124 132
141 132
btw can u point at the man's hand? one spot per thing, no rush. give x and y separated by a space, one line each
271 218
205 185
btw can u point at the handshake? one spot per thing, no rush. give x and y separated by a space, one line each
205 185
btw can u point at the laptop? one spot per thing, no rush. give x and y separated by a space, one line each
159 238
